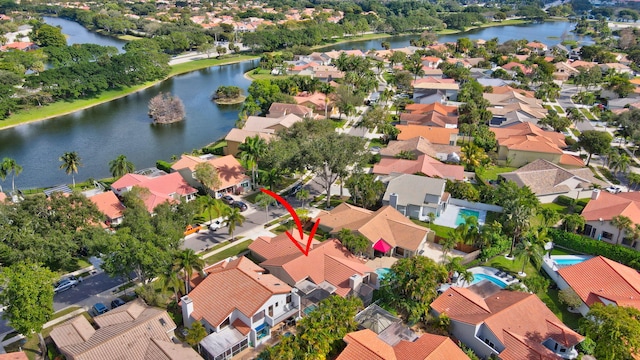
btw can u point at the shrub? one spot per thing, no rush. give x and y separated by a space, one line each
569 297
564 200
219 150
163 165
536 283
623 255
587 346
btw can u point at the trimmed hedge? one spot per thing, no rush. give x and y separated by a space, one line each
564 200
163 165
621 254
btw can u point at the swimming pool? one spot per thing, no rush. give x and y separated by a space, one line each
466 212
479 277
382 272
310 308
568 260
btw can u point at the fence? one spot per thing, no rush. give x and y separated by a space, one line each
475 205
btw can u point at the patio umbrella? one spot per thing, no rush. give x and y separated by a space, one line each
382 246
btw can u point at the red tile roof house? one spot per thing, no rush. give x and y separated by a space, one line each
600 280
328 263
601 209
109 204
171 187
511 324
238 304
131 331
388 231
366 345
230 173
434 114
277 110
423 164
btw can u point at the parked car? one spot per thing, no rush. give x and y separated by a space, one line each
117 302
192 229
65 284
295 189
217 224
227 199
614 189
99 309
240 205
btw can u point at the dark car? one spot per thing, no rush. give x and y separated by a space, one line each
117 302
99 309
228 199
296 188
240 205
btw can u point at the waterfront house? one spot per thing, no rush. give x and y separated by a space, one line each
231 175
110 206
278 110
170 187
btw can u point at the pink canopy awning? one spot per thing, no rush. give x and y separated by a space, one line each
382 246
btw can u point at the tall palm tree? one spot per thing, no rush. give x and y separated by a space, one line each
303 195
213 207
621 164
326 89
265 201
529 252
473 156
188 261
622 223
251 151
121 166
169 280
10 166
70 164
575 115
234 218
447 245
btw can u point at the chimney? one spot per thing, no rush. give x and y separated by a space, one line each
187 309
355 281
393 200
594 194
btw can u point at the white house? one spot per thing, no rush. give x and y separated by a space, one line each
415 196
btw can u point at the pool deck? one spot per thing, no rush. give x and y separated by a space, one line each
489 271
449 216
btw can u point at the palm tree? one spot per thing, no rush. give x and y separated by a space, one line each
529 253
234 218
271 178
303 195
549 216
251 151
212 207
573 223
169 280
195 334
634 180
326 89
447 245
473 156
121 166
621 164
265 201
622 223
70 164
575 115
10 166
188 261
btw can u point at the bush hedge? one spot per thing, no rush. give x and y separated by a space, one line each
623 255
163 165
564 200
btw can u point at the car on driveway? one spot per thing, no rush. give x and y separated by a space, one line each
227 199
614 189
99 308
217 224
65 284
240 205
117 302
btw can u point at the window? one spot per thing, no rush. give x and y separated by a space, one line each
288 299
225 323
277 304
270 310
259 316
607 235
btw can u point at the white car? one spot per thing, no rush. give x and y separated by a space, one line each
65 284
217 224
614 189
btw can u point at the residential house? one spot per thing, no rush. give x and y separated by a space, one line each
509 106
264 127
318 102
435 135
329 267
421 90
431 62
415 196
278 110
617 68
601 280
548 180
421 146
19 45
131 331
110 206
577 64
434 114
522 143
511 67
238 304
430 96
424 164
231 175
507 324
388 231
537 47
603 207
366 344
171 187
237 137
564 70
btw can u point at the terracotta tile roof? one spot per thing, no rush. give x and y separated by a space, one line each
585 64
544 177
536 45
529 137
432 80
161 188
236 285
507 312
430 119
317 99
423 164
601 277
280 109
571 160
435 135
386 223
521 348
437 86
147 336
14 355
230 172
365 345
429 347
241 327
240 135
129 180
267 124
108 204
266 247
608 205
508 89
418 145
427 108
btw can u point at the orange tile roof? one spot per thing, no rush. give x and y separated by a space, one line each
230 172
14 355
365 345
508 312
572 160
430 119
433 107
237 285
508 89
608 205
108 204
3 197
435 135
512 65
161 188
585 64
267 247
600 277
386 223
328 261
423 164
529 137
128 180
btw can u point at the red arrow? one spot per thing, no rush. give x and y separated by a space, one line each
295 217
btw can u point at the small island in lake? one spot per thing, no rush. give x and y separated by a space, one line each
166 109
228 95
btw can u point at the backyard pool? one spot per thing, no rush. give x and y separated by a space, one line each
382 272
310 308
466 212
479 277
568 260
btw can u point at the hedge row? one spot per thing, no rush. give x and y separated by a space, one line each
163 165
578 243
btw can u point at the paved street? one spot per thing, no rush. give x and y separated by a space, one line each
88 288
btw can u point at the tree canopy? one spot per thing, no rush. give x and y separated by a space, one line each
615 330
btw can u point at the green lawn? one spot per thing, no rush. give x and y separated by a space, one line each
377 142
232 251
559 208
492 172
558 109
129 37
587 113
559 251
261 74
575 131
441 231
205 63
338 124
